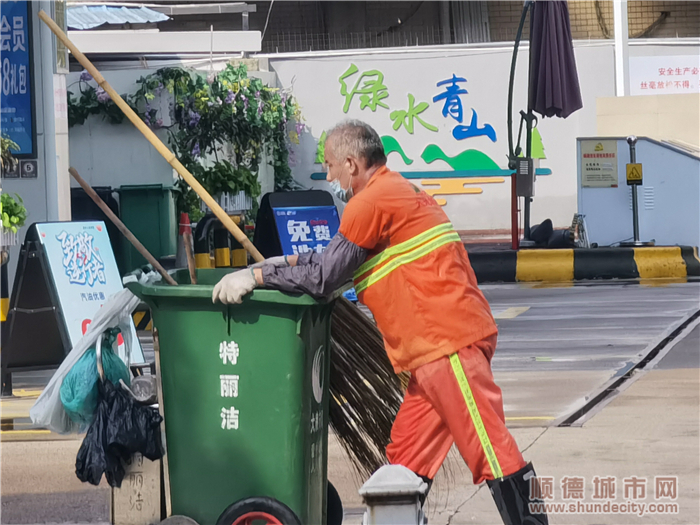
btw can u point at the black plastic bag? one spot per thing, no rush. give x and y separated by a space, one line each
120 429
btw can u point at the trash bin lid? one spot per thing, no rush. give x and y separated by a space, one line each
146 187
209 278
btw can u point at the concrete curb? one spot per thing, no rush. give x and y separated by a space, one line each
538 265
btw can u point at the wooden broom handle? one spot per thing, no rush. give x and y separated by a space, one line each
154 140
122 227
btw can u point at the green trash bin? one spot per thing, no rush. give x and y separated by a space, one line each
148 210
245 400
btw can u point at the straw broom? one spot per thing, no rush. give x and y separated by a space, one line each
365 392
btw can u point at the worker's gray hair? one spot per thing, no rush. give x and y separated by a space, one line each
354 138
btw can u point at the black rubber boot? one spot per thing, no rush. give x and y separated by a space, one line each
512 496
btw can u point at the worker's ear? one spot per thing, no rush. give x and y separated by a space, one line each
353 166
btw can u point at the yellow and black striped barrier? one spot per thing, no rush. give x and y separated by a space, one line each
142 320
652 262
4 294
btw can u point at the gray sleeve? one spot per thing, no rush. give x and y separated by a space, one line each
318 275
311 257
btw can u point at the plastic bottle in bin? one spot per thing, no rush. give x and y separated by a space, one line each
185 227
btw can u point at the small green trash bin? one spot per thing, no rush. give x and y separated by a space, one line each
148 210
245 397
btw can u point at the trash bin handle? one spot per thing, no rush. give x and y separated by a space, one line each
98 357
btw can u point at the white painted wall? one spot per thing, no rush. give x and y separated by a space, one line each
112 155
315 81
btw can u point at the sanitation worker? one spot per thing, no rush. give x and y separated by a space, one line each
412 271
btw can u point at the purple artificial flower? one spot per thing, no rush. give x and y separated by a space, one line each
284 98
257 94
85 76
194 118
102 95
230 97
299 127
245 102
260 109
196 151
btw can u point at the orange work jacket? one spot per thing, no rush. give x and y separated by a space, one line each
417 279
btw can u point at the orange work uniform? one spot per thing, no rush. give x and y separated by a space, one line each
436 323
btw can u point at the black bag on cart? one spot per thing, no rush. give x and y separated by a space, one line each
121 428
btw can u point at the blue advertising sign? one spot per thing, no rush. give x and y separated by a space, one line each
306 229
16 112
85 274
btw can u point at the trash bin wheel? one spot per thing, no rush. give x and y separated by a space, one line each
334 506
258 511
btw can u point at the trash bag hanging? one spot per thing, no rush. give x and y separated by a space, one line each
120 429
79 390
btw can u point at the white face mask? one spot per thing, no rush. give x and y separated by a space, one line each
340 192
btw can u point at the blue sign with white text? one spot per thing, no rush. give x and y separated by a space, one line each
306 229
15 74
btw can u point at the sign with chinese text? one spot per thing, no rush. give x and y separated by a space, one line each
15 93
438 115
138 499
598 163
85 274
305 229
664 75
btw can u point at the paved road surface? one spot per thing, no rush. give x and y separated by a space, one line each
556 346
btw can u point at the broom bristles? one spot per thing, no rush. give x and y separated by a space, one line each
365 392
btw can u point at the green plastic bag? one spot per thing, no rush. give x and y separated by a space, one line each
80 389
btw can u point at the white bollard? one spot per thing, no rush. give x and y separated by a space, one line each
392 496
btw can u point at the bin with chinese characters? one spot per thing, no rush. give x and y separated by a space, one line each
245 401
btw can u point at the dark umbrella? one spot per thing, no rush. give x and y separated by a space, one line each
554 89
553 82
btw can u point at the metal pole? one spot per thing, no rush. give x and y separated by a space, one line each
515 234
632 141
528 137
622 64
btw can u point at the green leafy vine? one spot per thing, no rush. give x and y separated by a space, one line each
219 126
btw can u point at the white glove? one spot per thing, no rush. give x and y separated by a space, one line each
277 262
234 286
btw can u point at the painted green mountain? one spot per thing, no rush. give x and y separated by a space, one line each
391 145
537 145
321 149
470 159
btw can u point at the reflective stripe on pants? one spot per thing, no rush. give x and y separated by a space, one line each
435 414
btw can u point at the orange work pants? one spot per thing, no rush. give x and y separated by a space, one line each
446 403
